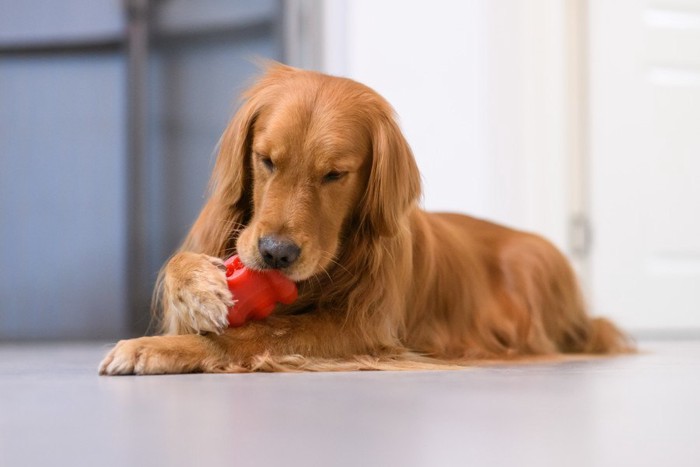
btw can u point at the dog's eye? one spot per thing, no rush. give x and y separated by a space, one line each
333 176
267 162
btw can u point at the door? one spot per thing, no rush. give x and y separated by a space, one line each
645 163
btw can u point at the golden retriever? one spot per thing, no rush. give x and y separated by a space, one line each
314 178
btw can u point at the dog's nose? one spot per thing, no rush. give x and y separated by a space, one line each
278 252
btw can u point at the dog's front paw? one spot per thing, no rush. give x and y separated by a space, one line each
162 355
196 297
159 355
133 356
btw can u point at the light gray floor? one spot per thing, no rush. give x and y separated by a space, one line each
630 411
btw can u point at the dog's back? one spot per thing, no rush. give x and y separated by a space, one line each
482 290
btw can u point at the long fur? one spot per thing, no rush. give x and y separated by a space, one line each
402 288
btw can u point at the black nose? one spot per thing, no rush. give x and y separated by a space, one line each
278 252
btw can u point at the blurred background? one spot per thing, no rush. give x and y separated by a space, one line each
576 119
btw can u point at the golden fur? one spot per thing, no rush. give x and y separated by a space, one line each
383 284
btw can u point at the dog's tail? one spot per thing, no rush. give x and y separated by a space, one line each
606 338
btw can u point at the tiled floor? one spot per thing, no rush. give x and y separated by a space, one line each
629 411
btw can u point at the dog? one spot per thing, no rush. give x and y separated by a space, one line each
314 178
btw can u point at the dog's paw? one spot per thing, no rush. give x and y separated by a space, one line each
196 296
158 355
135 356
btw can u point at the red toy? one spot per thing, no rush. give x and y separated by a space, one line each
256 292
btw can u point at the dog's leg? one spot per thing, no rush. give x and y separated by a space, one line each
195 295
320 335
188 353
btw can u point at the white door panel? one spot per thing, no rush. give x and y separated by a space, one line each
645 162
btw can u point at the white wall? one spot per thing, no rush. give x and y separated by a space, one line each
479 90
428 66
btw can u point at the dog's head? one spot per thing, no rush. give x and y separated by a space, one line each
313 159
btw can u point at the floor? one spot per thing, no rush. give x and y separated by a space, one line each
641 410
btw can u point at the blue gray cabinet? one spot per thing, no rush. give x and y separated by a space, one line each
68 262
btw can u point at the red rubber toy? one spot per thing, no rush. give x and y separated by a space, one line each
256 292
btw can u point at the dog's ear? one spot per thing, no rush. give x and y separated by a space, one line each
394 181
231 178
229 206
